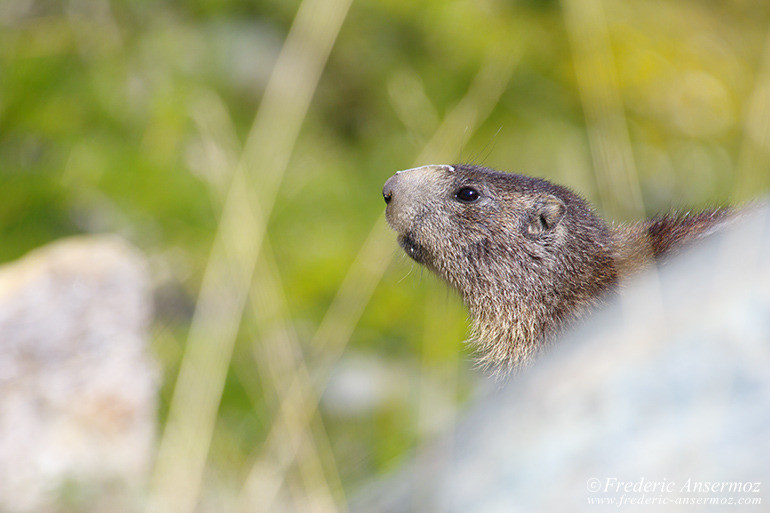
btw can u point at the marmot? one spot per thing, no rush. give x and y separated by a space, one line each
527 256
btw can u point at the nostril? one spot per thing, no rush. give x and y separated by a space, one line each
390 189
387 190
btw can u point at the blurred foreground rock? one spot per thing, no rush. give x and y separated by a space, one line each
77 387
661 402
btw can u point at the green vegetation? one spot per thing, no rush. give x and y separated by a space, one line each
132 116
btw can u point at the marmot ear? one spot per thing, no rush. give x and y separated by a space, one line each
545 214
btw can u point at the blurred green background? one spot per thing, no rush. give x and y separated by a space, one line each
132 117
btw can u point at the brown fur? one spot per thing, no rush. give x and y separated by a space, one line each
527 256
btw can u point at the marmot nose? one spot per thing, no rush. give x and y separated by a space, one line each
387 189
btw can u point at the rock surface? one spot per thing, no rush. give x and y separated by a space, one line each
77 386
661 402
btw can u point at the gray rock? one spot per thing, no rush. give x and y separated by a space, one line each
661 400
77 386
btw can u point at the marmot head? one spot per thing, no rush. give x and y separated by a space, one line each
525 254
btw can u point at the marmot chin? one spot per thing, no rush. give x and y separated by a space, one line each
527 256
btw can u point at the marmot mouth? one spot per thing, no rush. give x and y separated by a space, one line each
415 251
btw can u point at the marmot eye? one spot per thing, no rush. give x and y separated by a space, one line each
467 195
